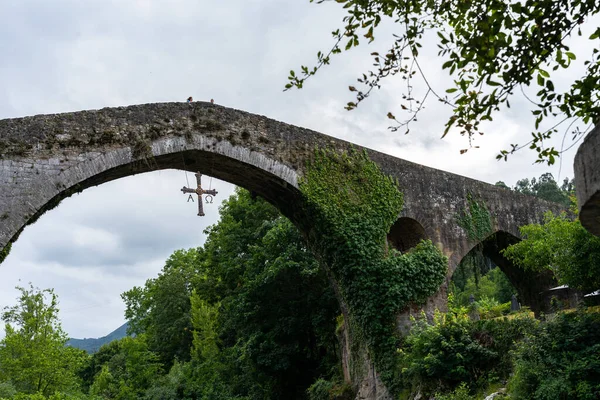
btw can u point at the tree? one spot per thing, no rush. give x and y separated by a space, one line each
559 360
562 246
545 187
123 369
502 185
278 312
33 355
161 309
492 285
257 313
490 48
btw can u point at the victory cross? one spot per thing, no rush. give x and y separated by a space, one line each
199 191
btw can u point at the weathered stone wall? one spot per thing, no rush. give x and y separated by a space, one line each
587 181
46 158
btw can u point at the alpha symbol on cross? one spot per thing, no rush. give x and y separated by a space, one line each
199 191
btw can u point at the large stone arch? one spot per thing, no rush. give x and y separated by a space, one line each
259 174
45 158
529 284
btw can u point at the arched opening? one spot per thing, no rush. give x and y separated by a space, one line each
486 257
291 290
265 181
268 176
405 234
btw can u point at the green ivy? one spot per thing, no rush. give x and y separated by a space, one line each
352 205
476 220
4 252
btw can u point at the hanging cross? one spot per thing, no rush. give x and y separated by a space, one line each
199 191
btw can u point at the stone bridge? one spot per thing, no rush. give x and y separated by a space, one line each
587 181
45 158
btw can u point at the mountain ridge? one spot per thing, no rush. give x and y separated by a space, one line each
92 345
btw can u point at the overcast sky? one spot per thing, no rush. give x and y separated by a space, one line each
62 55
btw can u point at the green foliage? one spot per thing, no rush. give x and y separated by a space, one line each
560 360
460 393
476 221
564 247
454 351
33 396
278 310
204 321
161 309
491 49
492 285
4 252
490 308
326 390
33 355
260 312
320 390
7 390
171 386
123 369
546 188
351 205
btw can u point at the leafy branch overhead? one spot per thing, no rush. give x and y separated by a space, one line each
491 48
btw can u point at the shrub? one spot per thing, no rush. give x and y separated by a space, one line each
461 393
490 308
326 390
455 350
561 360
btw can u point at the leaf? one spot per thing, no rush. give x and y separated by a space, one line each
540 80
451 90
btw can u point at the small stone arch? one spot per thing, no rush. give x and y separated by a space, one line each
405 234
529 284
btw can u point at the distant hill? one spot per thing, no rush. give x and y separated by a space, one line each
92 345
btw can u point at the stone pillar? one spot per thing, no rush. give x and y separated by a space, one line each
587 181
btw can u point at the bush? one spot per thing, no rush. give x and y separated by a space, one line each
326 390
561 360
491 308
461 393
456 350
319 390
